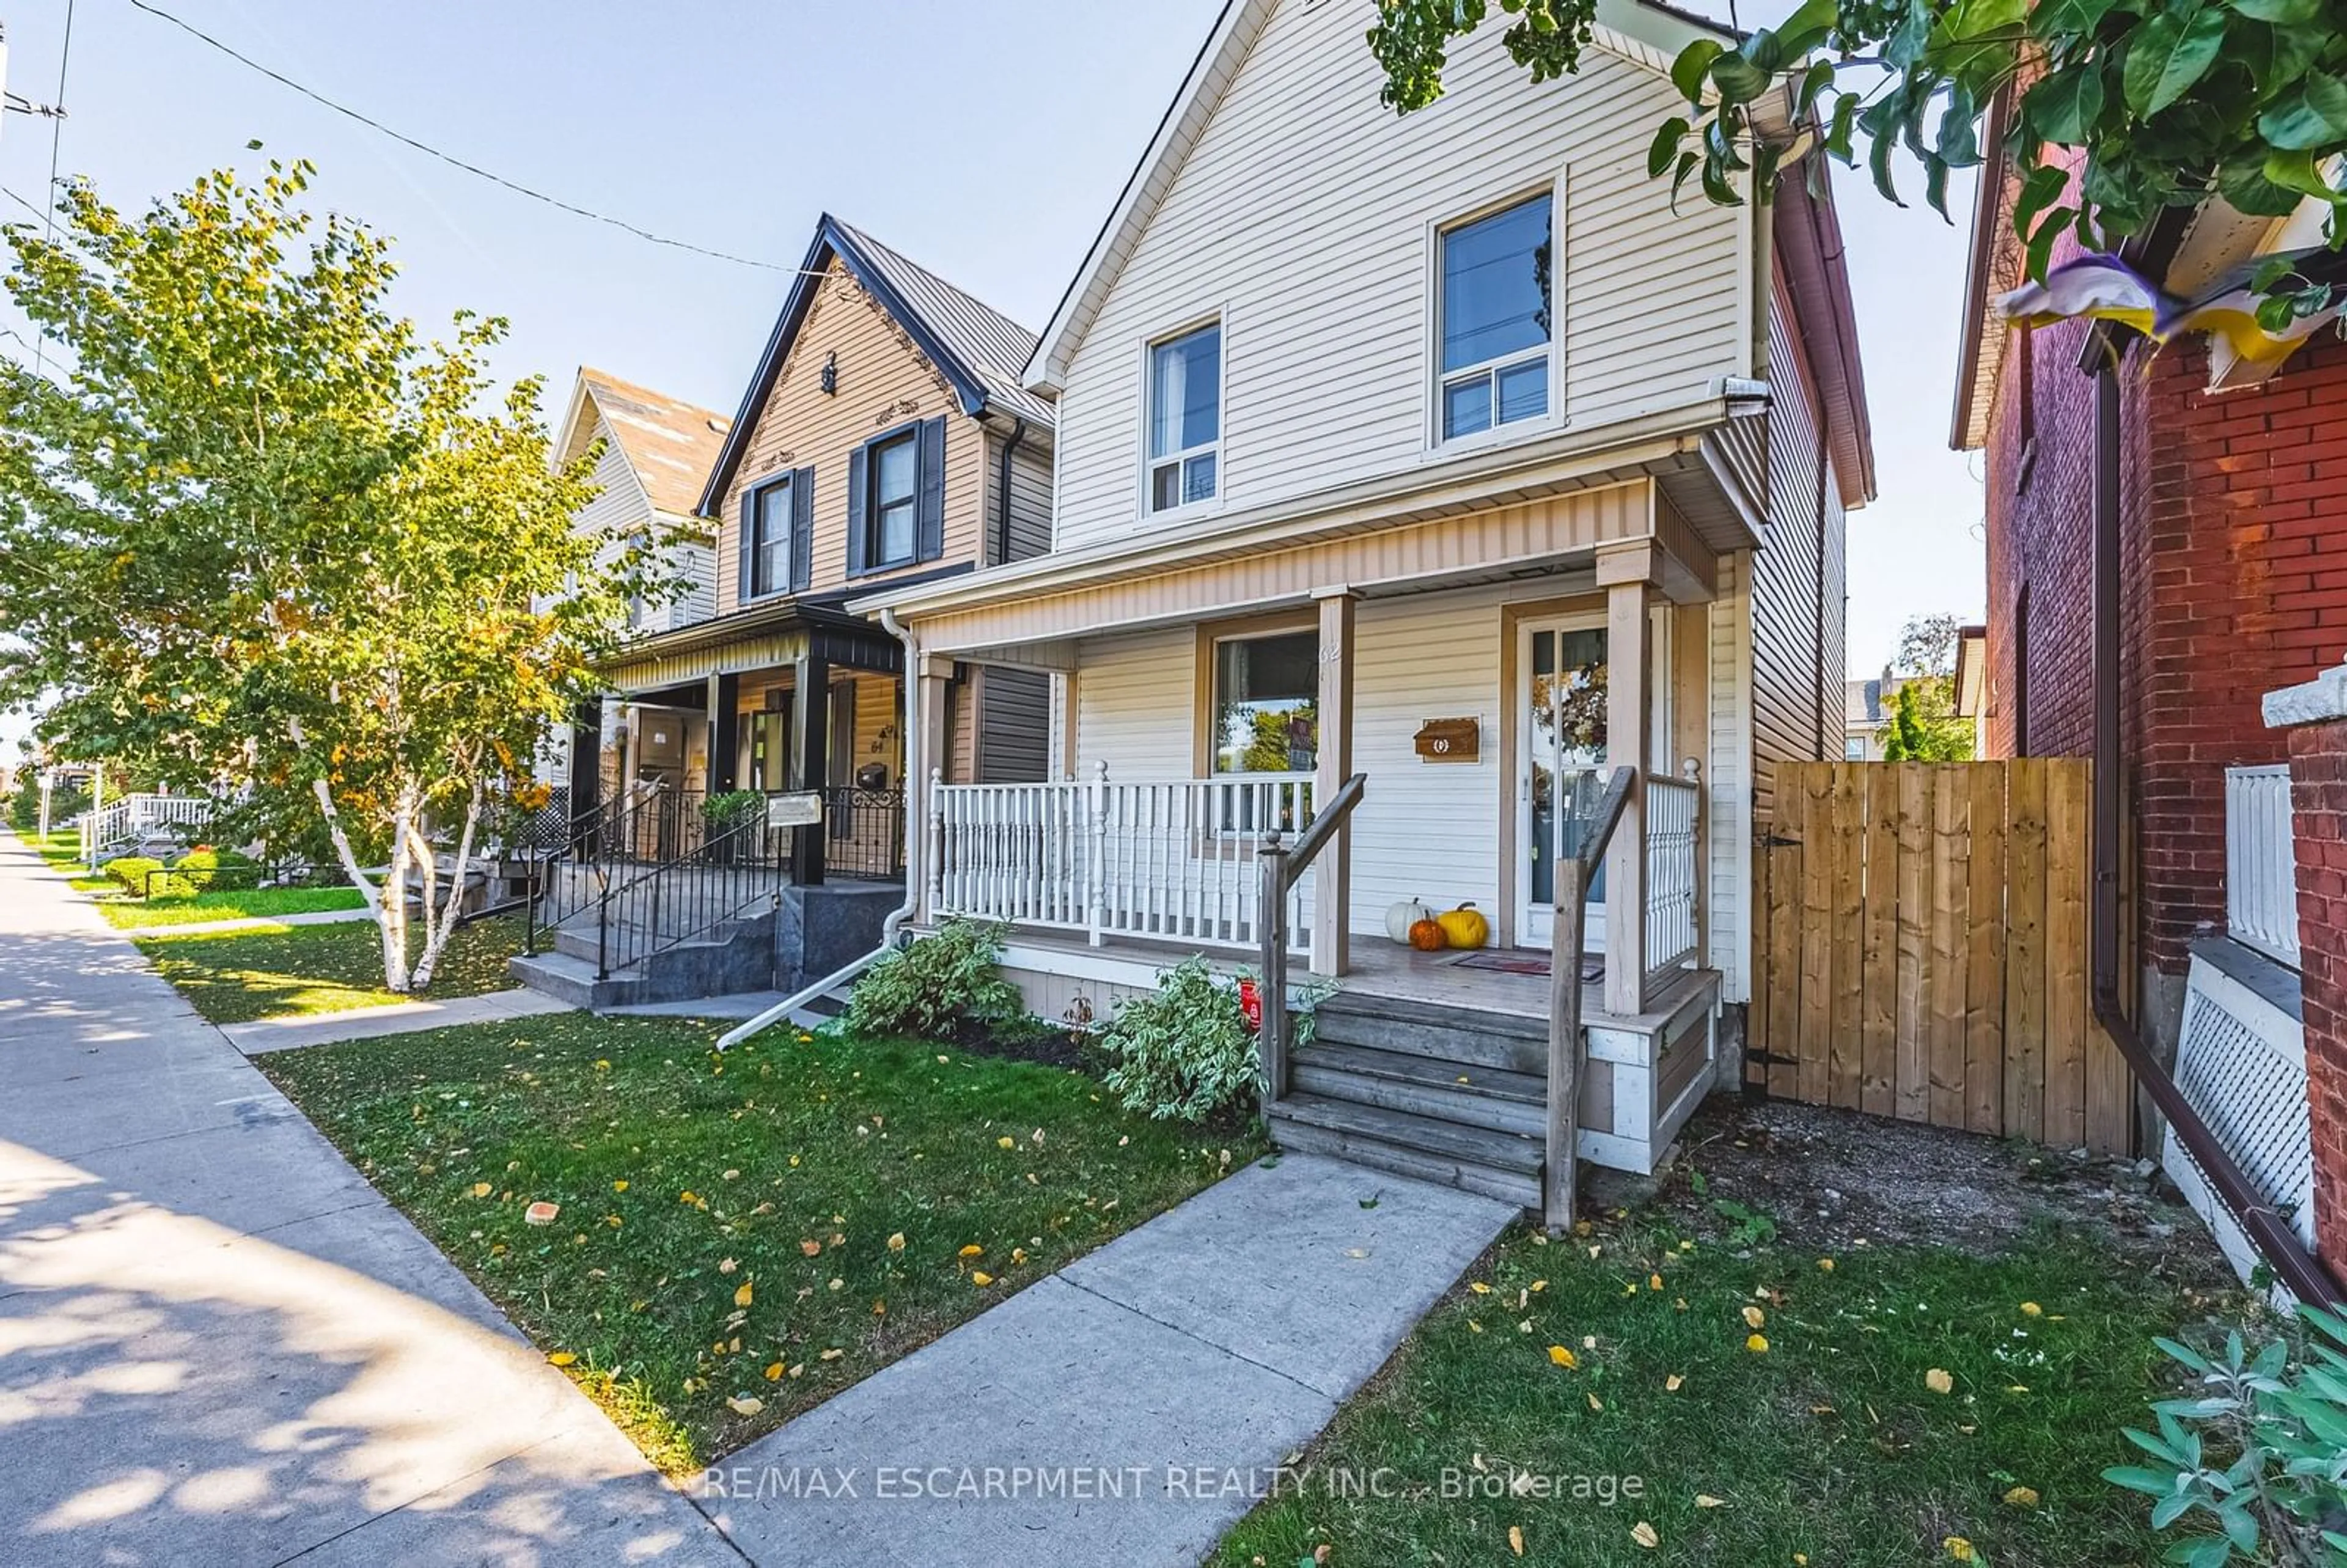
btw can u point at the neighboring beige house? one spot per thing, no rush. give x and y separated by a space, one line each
1441 450
884 439
1865 709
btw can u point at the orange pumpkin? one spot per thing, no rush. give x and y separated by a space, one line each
1427 936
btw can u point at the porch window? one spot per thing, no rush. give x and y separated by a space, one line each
1186 418
1495 320
770 541
1266 703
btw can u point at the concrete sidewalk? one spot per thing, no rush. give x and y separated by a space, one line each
1147 1392
270 1034
219 1344
232 926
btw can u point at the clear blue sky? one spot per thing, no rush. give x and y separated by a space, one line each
987 141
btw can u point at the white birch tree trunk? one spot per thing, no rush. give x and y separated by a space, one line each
390 914
438 931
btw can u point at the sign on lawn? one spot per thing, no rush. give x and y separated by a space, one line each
801 809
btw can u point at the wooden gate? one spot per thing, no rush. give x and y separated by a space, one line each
1921 950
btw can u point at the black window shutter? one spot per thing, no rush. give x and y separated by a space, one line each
802 529
932 536
745 546
859 527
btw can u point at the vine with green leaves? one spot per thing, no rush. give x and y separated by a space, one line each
2121 107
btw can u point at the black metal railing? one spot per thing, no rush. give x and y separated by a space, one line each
569 869
865 833
723 878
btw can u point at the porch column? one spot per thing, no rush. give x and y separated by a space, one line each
586 760
927 763
1627 704
811 745
724 732
1332 874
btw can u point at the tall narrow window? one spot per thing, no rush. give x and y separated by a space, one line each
770 544
1186 418
1495 319
895 502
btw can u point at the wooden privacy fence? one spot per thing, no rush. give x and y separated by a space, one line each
1921 950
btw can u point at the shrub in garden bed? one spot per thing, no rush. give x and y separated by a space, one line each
1183 1052
946 986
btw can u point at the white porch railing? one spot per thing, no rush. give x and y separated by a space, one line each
1673 873
127 822
2260 863
1171 859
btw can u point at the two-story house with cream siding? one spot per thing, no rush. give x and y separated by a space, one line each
883 440
1438 450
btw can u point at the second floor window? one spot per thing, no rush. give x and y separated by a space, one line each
1495 319
770 545
894 488
1186 418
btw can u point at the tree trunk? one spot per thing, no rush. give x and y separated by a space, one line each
390 915
438 929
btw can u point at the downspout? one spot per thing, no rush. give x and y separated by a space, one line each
1002 524
2297 1269
916 838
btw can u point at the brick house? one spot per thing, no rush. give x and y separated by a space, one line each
2231 585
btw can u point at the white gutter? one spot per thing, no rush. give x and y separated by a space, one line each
894 926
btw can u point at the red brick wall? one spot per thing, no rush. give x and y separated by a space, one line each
2318 791
2234 578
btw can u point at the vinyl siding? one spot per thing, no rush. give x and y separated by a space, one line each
1031 502
884 381
620 507
1727 778
1796 673
1304 217
1134 704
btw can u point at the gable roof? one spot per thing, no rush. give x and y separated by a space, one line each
977 348
1644 31
670 443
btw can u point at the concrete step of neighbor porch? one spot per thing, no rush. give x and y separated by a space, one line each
1475 1159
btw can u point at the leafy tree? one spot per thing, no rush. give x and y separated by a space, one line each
1927 646
257 533
2124 106
1923 725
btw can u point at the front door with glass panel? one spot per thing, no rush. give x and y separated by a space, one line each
1560 766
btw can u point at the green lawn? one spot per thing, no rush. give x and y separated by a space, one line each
228 904
280 971
1830 1446
739 1238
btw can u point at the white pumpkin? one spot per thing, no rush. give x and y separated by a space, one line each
1402 917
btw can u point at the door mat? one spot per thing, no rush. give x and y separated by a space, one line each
1509 962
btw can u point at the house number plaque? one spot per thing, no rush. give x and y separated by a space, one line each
1450 741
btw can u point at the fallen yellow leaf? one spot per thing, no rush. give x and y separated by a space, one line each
1826 1263
1938 1381
2022 1497
1653 1282
1479 1288
1754 1317
1757 1344
620 1186
687 1196
1644 1534
775 1373
1671 1384
481 1189
896 1242
1595 1402
741 1297
561 1359
1516 1539
1006 1142
1959 1548
745 1405
810 1247
973 1250
980 1278
2030 1310
1703 1500
1563 1356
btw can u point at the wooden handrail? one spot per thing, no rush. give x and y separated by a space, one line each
1280 867
1560 1169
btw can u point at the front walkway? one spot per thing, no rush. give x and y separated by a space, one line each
219 1344
268 1034
1129 1408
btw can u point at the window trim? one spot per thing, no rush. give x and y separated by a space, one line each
1212 635
1219 319
755 491
868 455
1437 381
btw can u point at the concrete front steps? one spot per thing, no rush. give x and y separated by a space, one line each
736 956
1439 1093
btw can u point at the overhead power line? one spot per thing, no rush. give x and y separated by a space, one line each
450 158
